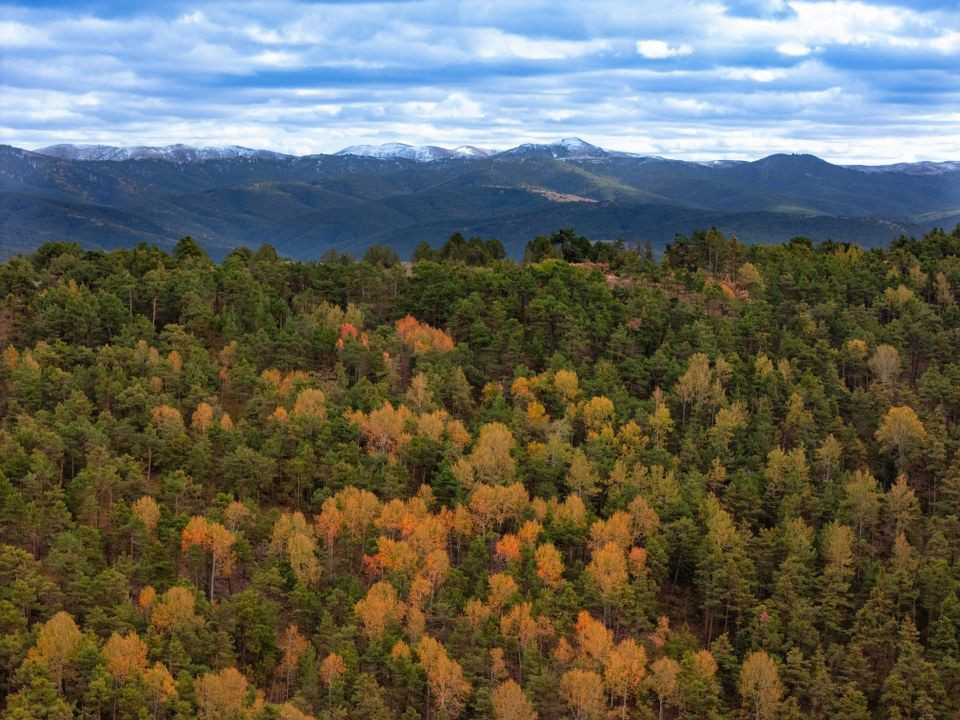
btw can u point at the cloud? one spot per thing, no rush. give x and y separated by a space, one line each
658 49
707 78
793 49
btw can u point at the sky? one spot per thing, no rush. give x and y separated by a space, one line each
855 82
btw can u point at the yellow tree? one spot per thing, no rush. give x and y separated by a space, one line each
147 512
289 711
293 538
899 429
760 685
174 612
379 609
581 477
292 646
331 668
593 638
202 417
160 686
549 564
57 645
301 554
518 623
567 383
491 460
608 570
597 414
502 589
885 363
310 405
624 670
214 537
221 695
582 691
444 676
661 424
126 655
509 702
663 680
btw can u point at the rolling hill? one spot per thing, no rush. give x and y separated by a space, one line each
401 195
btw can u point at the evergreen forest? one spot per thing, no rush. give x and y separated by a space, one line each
722 483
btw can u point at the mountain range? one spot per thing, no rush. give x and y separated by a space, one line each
401 195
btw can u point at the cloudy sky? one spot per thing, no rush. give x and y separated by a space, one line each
698 79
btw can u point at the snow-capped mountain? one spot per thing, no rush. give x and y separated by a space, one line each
469 151
173 153
923 167
570 148
417 153
304 205
567 148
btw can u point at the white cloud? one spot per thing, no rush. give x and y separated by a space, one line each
194 18
793 49
299 76
760 75
18 35
490 43
659 50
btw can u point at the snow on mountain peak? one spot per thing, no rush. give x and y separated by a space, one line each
575 143
421 153
174 153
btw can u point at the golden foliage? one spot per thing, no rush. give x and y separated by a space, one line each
549 564
582 691
126 655
221 695
608 569
384 429
160 684
147 512
421 338
379 609
508 548
567 383
509 702
760 685
624 668
174 612
333 667
214 537
594 640
57 644
202 417
310 404
597 413
445 677
502 589
900 428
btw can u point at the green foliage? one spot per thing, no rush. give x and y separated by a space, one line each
263 488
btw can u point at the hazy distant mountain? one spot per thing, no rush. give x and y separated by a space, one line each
173 153
423 153
915 168
401 195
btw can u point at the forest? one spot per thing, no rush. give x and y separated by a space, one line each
723 483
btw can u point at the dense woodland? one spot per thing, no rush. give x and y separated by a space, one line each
722 484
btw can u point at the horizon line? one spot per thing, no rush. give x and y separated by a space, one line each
453 147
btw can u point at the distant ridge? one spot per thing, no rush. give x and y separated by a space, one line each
401 195
173 153
565 148
422 153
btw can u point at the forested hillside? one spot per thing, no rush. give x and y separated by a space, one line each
310 204
590 485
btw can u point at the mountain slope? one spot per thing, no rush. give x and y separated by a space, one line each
402 195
